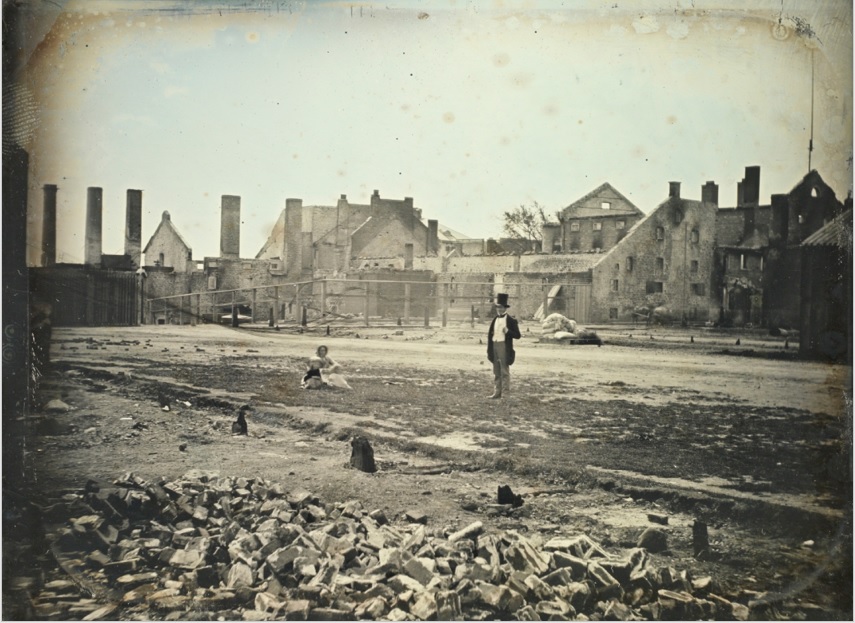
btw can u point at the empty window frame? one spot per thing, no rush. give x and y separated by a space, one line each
612 313
597 226
574 226
620 224
695 236
615 285
654 287
629 262
605 205
660 233
660 265
743 261
694 266
698 289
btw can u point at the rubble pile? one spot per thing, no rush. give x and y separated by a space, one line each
556 327
205 546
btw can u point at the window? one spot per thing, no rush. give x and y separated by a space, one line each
660 264
678 217
762 263
813 192
743 262
598 226
161 260
654 287
620 224
615 285
605 205
574 226
660 233
629 264
694 266
617 267
612 313
698 289
212 282
695 236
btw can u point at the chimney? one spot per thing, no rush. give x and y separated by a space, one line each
709 193
230 227
674 189
375 198
293 236
779 230
49 226
432 246
92 251
550 237
133 227
408 256
751 186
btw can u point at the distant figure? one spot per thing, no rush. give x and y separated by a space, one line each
323 372
239 427
500 345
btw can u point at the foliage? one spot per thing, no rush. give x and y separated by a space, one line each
525 222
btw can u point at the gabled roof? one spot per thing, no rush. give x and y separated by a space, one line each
167 222
604 188
835 233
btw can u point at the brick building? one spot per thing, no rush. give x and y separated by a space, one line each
666 259
596 222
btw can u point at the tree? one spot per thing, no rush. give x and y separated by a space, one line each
525 222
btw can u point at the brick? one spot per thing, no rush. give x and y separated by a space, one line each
101 613
616 611
448 606
282 559
138 595
425 607
297 610
416 540
121 567
580 546
379 516
469 532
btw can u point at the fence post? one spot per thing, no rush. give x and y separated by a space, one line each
276 305
427 316
214 314
366 304
407 303
323 298
472 316
445 297
198 308
234 309
297 306
304 316
180 310
254 298
544 287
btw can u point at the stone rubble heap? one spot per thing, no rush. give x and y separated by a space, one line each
205 546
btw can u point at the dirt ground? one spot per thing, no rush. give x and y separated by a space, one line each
670 421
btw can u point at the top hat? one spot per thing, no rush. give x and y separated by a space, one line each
502 299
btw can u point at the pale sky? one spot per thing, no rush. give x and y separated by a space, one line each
471 108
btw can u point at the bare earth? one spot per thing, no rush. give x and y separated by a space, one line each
594 438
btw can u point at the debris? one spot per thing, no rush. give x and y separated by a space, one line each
239 427
182 447
700 540
507 496
658 518
653 540
57 406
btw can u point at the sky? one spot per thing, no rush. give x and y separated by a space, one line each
471 108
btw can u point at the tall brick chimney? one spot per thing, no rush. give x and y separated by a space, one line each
49 226
293 236
709 193
432 246
674 189
92 250
133 227
230 227
751 186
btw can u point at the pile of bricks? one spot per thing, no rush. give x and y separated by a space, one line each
205 546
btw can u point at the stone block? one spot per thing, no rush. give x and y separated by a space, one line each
420 569
373 608
524 557
526 613
239 574
558 577
577 567
538 589
554 610
187 559
497 598
400 583
330 614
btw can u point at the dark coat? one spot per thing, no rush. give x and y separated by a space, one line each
512 334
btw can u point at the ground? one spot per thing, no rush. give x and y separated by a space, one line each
678 422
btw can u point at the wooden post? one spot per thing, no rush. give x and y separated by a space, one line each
323 298
181 310
544 287
254 299
445 298
298 308
214 314
366 304
276 305
234 309
304 316
472 316
198 308
407 303
427 316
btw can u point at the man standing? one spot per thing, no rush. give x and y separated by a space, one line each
500 344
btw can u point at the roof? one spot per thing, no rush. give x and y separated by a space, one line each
835 233
602 189
167 222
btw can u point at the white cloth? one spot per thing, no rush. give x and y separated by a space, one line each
499 328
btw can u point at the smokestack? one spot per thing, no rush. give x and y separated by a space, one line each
133 227
709 193
92 251
293 251
230 227
49 226
674 189
433 237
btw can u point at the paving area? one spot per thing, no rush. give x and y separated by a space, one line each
595 440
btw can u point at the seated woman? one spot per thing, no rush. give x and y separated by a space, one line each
323 371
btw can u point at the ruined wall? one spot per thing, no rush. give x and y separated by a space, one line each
654 266
612 229
386 237
175 252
